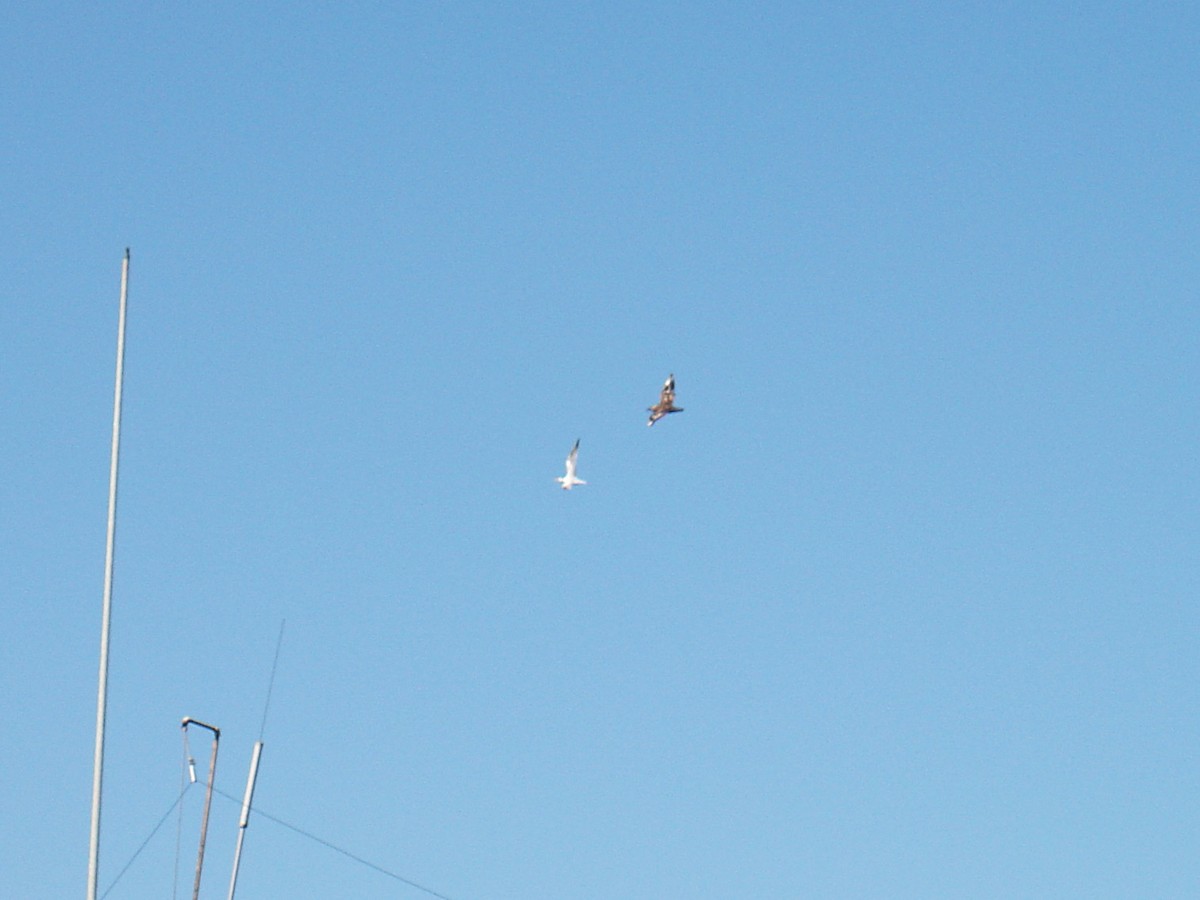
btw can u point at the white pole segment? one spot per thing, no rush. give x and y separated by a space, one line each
245 819
105 616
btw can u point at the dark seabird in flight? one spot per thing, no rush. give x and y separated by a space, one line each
666 402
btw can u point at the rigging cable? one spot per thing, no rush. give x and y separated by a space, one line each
150 836
185 765
358 859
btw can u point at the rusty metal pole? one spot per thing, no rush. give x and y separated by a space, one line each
212 771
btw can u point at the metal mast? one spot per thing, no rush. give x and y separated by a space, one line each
212 773
105 618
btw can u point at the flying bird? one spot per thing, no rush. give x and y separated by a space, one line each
569 480
666 402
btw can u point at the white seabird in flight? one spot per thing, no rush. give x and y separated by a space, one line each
666 402
569 480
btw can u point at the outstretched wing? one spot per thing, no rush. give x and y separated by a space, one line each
571 458
666 397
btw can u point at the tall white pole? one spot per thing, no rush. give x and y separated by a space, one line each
105 618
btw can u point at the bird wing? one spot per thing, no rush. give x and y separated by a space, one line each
666 397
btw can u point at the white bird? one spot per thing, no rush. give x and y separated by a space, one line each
569 480
666 402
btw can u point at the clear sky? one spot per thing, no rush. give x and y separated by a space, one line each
902 605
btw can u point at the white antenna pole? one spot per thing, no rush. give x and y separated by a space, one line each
105 618
247 801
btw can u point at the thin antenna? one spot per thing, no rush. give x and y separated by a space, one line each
248 799
106 614
271 683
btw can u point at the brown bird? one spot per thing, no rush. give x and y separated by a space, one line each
666 402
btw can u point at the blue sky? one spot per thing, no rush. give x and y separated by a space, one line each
903 605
